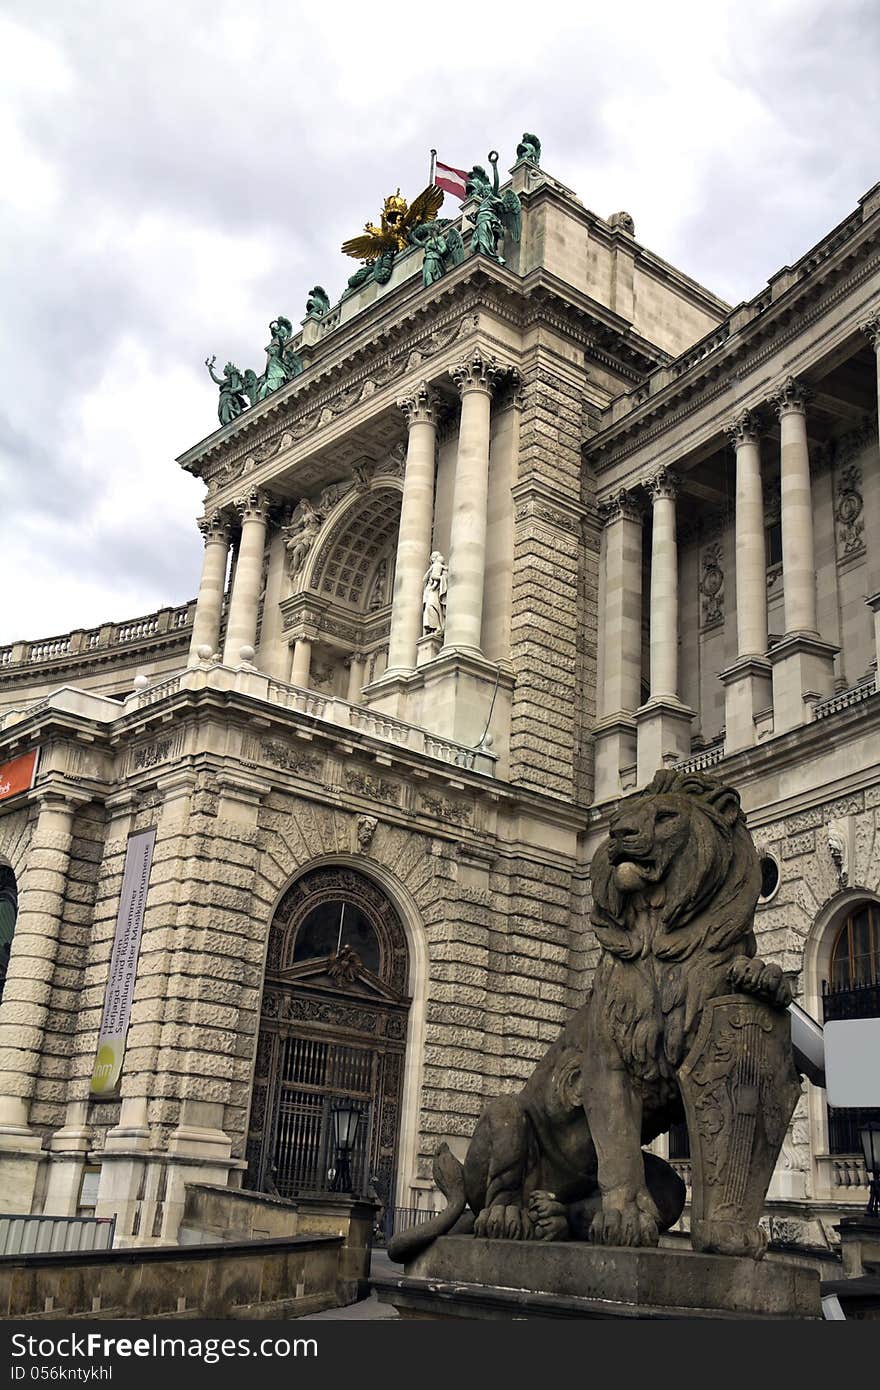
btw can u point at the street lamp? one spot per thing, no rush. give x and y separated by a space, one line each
869 1133
346 1118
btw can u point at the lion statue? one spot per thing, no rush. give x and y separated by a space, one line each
675 887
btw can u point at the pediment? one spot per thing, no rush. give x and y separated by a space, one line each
324 974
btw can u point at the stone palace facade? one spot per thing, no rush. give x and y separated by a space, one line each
508 543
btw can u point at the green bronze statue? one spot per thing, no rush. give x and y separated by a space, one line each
442 243
233 388
318 303
282 363
529 148
496 213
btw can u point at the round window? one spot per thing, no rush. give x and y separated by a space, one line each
769 877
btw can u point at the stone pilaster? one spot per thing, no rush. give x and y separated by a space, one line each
664 723
476 378
620 609
241 625
416 527
301 663
355 665
27 992
209 603
747 683
803 665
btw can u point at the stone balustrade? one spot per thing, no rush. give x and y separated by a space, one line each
107 636
845 699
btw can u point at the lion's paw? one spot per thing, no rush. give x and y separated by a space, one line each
548 1217
626 1221
754 976
503 1223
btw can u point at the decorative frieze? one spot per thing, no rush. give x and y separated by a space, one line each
446 809
289 759
376 788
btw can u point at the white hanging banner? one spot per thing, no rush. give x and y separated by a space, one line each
123 963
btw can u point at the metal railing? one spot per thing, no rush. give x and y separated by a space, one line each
33 1235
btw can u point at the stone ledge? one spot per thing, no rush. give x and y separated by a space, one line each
461 1276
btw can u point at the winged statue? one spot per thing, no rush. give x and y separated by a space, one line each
397 221
497 214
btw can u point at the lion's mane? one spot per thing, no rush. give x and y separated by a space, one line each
708 902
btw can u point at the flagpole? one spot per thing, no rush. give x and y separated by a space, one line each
433 162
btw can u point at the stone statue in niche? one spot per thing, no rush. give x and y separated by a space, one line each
299 536
377 593
683 1022
434 596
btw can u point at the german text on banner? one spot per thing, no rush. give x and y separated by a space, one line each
123 963
18 774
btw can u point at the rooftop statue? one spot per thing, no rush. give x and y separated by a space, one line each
496 213
233 388
529 148
282 363
318 302
442 243
378 246
683 1022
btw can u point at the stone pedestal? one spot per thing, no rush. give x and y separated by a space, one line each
614 748
859 1244
748 689
463 1277
803 671
664 735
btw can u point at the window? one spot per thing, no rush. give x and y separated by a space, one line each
331 925
8 912
853 992
773 533
855 960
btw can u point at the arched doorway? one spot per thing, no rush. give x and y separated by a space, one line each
8 913
852 990
332 1026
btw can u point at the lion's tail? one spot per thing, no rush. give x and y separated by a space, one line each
449 1177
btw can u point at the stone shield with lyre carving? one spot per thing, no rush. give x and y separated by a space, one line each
739 1088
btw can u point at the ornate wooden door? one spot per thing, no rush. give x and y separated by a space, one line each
333 1026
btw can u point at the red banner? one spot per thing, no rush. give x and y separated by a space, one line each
18 774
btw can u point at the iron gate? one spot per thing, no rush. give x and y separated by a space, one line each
312 1075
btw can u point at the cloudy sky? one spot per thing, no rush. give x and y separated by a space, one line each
176 174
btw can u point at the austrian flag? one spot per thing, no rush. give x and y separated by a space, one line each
451 180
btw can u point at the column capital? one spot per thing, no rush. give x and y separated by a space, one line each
479 372
214 527
625 505
790 398
744 428
421 407
871 327
252 505
663 485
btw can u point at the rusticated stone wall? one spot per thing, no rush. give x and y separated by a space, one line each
552 572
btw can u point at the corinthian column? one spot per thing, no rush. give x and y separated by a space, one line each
751 559
664 732
241 625
798 558
27 993
664 589
476 378
206 623
620 608
747 681
871 493
416 525
803 665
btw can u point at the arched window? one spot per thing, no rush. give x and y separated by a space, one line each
332 925
853 991
855 959
8 912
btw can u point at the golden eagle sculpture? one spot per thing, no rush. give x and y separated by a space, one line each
398 219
